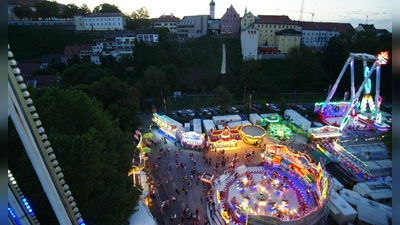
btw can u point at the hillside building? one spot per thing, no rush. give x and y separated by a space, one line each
99 22
230 21
167 21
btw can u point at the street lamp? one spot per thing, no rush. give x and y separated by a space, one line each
251 95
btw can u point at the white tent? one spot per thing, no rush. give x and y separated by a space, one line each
142 216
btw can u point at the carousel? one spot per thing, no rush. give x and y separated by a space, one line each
252 134
273 193
279 132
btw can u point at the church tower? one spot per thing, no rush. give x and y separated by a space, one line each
212 9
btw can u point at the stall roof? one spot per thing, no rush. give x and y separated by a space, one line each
355 198
375 189
371 216
316 155
372 148
238 123
342 205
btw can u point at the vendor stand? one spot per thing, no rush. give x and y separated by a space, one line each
192 140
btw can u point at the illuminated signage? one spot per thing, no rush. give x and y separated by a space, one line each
382 58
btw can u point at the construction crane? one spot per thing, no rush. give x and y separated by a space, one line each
301 13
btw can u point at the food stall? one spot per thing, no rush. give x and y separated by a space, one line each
192 140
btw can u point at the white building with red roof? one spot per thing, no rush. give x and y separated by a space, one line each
99 21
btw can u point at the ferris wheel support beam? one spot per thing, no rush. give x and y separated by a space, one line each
353 89
377 91
333 90
375 66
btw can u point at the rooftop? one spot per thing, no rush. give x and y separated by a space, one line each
273 19
28 68
108 14
340 27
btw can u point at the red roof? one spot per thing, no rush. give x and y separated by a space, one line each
341 27
107 14
42 80
267 19
71 50
166 18
86 47
28 68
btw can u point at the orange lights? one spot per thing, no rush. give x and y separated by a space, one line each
382 58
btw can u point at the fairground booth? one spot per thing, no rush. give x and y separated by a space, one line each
192 140
226 137
328 132
167 125
288 190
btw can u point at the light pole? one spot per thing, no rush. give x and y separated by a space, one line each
251 95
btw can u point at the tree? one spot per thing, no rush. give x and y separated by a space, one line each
138 19
305 72
94 154
85 73
105 7
69 11
222 97
251 74
172 75
47 9
162 34
155 81
118 98
23 12
84 9
58 66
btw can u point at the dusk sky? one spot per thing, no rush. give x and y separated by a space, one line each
343 11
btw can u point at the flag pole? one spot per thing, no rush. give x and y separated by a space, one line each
244 94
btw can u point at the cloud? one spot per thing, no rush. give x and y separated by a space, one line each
354 12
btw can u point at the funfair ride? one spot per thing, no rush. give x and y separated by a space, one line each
377 62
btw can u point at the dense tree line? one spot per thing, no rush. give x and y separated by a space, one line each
93 152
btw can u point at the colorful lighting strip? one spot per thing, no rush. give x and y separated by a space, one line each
11 212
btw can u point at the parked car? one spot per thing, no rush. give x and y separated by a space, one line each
234 110
240 108
213 111
180 113
206 112
228 110
190 113
302 107
174 115
218 110
274 108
